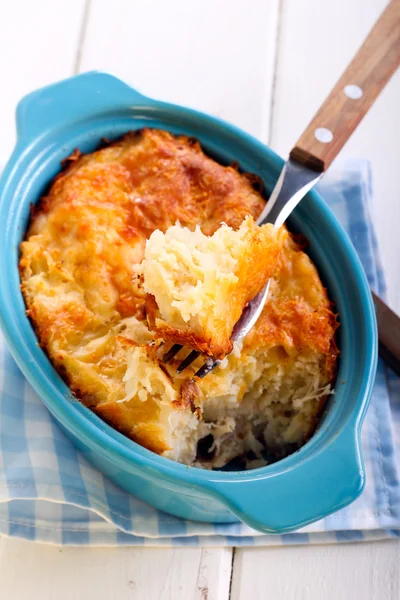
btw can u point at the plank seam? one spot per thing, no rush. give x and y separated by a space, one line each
275 70
82 37
231 575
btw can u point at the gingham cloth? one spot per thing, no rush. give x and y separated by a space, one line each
49 493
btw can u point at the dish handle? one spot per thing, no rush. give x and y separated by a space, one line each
74 99
319 485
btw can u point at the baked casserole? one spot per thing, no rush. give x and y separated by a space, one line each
94 275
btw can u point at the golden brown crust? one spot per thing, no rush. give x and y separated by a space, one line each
138 423
298 314
170 334
189 395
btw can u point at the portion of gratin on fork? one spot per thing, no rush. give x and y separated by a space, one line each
79 272
198 285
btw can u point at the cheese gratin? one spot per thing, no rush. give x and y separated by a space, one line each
100 318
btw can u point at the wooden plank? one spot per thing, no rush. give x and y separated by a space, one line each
38 45
103 573
317 40
216 56
341 571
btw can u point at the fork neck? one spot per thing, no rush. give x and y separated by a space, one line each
293 184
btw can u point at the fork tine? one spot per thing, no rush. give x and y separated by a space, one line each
208 366
188 361
171 353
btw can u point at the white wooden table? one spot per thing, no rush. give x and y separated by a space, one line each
264 65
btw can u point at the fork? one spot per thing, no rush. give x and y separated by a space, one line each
320 143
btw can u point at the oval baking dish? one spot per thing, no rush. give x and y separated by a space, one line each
324 475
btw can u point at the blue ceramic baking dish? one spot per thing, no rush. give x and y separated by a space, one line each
323 476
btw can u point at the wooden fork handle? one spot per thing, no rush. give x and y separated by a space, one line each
354 93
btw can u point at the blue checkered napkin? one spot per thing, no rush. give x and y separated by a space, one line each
49 493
